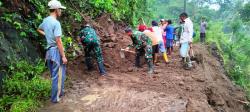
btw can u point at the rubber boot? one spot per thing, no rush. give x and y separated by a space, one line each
101 68
189 62
137 61
150 67
88 63
165 56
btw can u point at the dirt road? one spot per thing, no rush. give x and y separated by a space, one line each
171 89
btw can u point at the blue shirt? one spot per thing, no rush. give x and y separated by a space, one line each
169 32
52 29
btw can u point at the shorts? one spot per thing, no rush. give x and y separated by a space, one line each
155 48
169 43
184 49
161 46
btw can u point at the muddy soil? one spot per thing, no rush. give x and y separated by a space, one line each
205 88
172 89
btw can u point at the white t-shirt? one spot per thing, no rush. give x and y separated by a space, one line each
188 31
158 32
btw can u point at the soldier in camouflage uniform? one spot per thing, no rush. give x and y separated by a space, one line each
91 41
143 46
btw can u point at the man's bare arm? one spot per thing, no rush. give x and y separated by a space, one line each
40 31
61 49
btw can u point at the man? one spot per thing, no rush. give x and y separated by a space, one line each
161 45
143 46
152 35
55 56
163 25
186 39
91 41
169 36
203 27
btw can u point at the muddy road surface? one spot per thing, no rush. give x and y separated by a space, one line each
205 88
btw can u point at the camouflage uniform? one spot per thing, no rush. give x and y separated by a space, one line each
143 45
90 39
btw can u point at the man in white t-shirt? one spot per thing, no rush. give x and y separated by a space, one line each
186 39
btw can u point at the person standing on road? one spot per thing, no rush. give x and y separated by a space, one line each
91 41
203 27
186 39
159 33
169 37
143 46
55 56
163 24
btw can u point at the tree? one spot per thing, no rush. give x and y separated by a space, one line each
244 13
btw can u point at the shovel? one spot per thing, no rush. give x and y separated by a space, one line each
124 50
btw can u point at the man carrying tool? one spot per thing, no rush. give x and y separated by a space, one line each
55 56
152 35
143 46
91 41
186 40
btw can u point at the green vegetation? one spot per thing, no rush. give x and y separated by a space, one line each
24 87
234 48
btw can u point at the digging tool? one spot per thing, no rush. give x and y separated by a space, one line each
124 50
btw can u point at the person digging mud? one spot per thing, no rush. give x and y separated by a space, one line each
143 46
55 56
186 40
152 35
88 38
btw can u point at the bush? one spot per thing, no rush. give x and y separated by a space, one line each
24 88
28 105
234 48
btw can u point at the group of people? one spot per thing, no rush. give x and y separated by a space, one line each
160 38
148 42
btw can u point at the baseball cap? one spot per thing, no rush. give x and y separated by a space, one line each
54 4
162 20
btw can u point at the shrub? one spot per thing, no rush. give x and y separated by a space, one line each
24 88
21 105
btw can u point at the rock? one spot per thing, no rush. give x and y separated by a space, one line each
181 83
113 39
107 65
156 72
111 45
106 44
130 69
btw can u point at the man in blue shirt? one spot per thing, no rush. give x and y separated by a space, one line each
55 56
169 36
